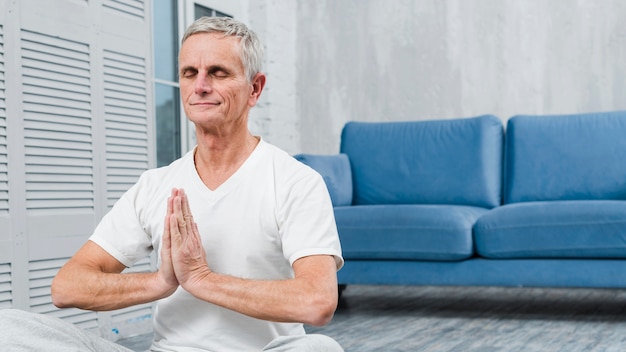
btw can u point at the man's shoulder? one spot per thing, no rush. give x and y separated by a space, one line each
287 171
285 164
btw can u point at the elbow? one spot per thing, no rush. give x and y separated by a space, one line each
321 311
61 296
59 302
59 299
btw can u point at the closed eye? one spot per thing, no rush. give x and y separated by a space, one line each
188 73
219 72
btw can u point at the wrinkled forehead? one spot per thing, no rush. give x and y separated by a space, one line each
213 41
210 46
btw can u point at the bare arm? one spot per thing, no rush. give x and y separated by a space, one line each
92 279
310 297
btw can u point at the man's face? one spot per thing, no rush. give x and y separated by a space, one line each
213 85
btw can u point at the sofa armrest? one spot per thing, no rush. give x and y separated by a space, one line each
336 172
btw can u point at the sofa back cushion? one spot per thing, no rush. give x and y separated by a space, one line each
566 157
335 170
457 162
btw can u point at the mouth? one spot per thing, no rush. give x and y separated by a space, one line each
205 103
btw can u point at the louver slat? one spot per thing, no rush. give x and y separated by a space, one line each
134 8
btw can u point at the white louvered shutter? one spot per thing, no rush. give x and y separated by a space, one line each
6 282
75 133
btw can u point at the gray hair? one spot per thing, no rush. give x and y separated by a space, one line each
251 46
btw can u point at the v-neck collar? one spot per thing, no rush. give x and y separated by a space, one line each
233 181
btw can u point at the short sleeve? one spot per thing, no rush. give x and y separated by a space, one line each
121 233
307 221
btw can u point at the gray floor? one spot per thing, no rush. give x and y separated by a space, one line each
402 318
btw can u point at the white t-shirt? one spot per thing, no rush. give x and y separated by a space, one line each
271 212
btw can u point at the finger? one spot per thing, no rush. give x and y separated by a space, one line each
177 208
169 211
185 207
166 240
197 239
166 227
186 211
170 202
175 231
180 227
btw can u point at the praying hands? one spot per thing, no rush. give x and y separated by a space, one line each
183 258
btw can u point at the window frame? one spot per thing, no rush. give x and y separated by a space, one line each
186 16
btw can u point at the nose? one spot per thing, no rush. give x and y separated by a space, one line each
202 84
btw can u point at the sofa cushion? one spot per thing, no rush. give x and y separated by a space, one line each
456 161
409 232
558 229
566 157
335 169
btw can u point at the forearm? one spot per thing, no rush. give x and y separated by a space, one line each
93 280
88 289
281 301
310 298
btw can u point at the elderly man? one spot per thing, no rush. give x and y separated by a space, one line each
247 243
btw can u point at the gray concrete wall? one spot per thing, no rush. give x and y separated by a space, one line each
389 60
275 117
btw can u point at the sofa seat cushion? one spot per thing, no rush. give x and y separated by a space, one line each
557 229
407 232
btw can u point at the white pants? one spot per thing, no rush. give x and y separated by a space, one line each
22 331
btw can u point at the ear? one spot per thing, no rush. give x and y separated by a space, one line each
258 82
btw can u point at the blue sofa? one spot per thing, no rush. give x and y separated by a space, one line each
461 202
